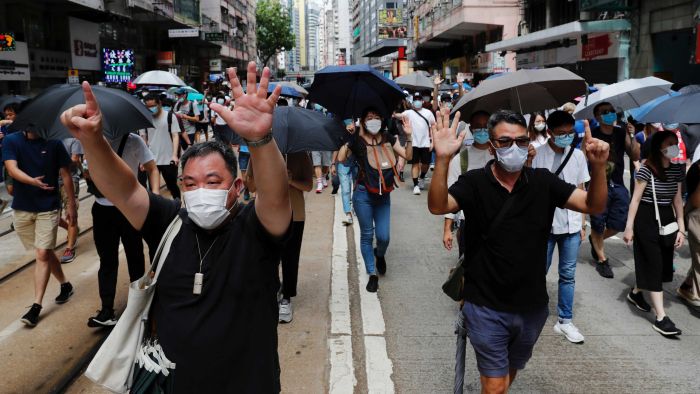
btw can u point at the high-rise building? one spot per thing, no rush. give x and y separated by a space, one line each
342 47
377 42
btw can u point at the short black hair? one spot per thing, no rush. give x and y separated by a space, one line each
597 107
480 112
507 116
11 106
209 147
152 97
558 119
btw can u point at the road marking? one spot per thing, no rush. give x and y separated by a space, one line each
342 374
379 367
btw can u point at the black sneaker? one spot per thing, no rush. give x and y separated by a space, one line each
66 293
638 301
666 327
401 177
604 269
380 262
32 317
373 283
104 318
593 252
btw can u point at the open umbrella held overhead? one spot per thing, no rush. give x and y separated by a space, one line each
683 108
415 81
628 94
122 113
160 78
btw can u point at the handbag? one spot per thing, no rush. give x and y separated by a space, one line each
454 285
113 365
667 232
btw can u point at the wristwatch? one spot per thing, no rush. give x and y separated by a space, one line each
261 142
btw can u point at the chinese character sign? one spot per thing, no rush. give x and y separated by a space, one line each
118 64
7 42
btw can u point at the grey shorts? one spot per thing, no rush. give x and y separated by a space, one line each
321 158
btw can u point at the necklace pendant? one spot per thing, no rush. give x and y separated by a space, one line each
198 280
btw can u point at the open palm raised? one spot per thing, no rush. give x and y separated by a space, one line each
445 139
251 117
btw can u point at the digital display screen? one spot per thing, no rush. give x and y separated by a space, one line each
118 64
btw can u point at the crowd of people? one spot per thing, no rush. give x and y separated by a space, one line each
499 179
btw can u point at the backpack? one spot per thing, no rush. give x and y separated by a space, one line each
378 168
91 187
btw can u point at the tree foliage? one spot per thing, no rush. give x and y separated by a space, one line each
273 29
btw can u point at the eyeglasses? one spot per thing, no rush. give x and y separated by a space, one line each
505 142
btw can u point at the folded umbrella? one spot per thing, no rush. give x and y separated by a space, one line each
158 77
346 91
122 113
682 108
631 93
523 91
415 81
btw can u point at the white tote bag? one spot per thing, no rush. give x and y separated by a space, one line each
113 365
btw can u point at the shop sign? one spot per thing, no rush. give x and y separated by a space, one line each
183 33
85 43
14 65
73 76
118 64
597 46
165 58
7 42
215 65
214 37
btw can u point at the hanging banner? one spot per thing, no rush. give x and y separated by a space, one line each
85 44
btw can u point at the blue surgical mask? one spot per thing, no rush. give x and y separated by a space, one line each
563 141
671 126
417 104
609 119
481 136
154 110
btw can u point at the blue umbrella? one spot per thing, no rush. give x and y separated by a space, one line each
287 91
682 108
465 85
640 112
347 90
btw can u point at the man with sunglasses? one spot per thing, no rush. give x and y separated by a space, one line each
614 219
510 209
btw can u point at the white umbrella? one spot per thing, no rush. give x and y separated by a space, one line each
294 86
632 93
157 77
415 81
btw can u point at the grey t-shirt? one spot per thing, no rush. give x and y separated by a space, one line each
73 147
189 108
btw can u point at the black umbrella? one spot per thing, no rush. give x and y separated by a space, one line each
302 130
10 99
121 112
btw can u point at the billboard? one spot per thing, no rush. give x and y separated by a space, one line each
85 44
118 64
390 24
7 42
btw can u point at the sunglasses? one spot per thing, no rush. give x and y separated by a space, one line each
506 142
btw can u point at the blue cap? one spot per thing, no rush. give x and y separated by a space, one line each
180 91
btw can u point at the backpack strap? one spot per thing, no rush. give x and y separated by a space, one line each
122 144
382 182
170 122
424 118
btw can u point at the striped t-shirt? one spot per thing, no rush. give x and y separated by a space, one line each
665 190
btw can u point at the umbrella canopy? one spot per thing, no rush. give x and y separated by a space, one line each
523 91
294 86
640 112
445 87
158 77
122 113
5 100
415 81
287 91
347 90
465 86
632 93
187 89
679 109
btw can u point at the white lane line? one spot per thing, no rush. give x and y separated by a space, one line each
340 296
342 374
379 367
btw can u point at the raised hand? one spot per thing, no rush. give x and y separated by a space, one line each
597 151
407 127
84 121
446 142
437 80
251 117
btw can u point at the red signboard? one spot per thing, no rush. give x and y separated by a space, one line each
697 44
595 47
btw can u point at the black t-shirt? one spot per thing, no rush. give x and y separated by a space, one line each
509 275
617 151
225 339
692 178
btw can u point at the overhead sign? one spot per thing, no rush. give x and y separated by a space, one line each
7 42
85 43
214 36
214 65
166 58
118 64
14 65
596 47
602 5
183 33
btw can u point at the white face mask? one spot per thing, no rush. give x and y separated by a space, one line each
373 126
512 159
539 126
672 152
207 207
220 101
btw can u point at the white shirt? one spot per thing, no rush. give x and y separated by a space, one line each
477 158
135 154
696 155
421 130
160 141
539 141
575 172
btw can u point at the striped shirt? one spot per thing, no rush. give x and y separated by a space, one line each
665 190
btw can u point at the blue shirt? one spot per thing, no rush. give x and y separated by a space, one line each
36 158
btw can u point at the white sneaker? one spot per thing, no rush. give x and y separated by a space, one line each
416 190
325 182
570 331
348 220
285 311
319 187
421 183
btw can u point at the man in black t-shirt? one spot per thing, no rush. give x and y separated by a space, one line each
215 305
505 289
614 219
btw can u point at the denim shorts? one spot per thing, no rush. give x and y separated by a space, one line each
615 215
502 340
243 159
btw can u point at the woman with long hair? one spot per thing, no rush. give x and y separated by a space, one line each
374 149
655 223
537 129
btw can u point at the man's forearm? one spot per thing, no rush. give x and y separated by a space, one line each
437 195
68 185
272 202
19 175
154 179
176 144
597 196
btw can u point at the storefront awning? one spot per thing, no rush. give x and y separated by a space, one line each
569 30
385 47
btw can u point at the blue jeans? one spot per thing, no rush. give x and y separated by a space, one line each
373 213
568 245
345 176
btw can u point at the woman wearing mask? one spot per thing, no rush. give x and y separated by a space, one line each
373 149
537 129
656 206
221 130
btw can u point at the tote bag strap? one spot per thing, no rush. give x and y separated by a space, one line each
164 246
656 204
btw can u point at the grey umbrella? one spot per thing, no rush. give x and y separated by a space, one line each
679 109
5 100
415 81
158 77
628 94
523 91
294 86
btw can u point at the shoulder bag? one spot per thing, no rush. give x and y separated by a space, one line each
667 232
113 365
